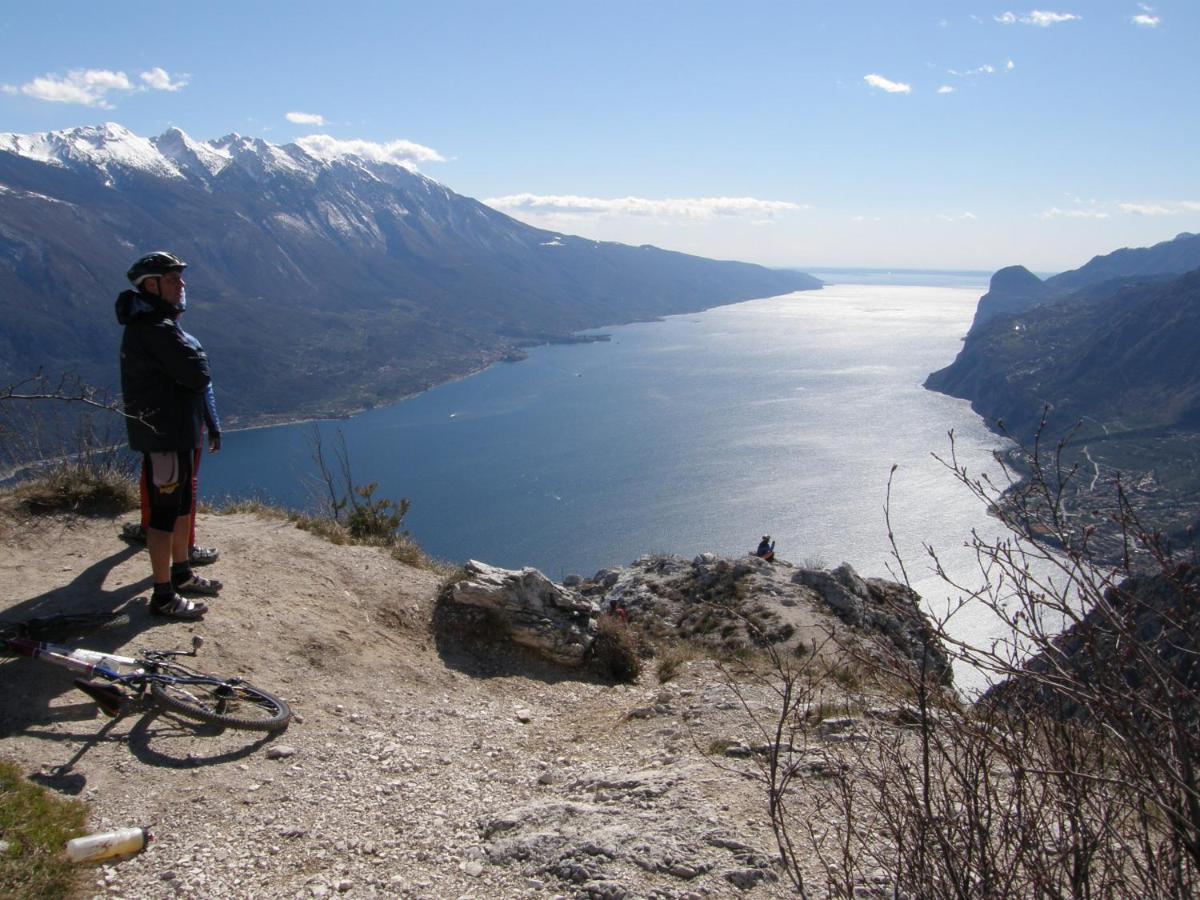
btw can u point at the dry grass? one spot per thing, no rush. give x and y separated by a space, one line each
671 659
79 488
401 547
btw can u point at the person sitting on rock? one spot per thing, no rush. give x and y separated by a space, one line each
766 549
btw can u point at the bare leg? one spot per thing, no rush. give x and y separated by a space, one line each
179 540
159 543
167 547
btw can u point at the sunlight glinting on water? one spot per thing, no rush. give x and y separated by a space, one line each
697 433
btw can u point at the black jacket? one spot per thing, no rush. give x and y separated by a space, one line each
163 375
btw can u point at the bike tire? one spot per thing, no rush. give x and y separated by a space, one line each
231 703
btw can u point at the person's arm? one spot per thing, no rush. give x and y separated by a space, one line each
210 419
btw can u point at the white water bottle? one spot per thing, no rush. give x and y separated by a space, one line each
106 844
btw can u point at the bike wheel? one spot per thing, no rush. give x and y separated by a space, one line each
231 703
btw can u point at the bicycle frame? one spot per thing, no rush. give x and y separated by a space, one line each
87 662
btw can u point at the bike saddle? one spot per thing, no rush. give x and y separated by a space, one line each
109 697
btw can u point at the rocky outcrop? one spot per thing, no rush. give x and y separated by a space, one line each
1011 290
725 604
533 612
882 607
618 822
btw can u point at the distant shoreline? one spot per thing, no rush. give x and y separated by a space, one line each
516 354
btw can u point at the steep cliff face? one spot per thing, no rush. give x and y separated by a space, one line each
1118 354
1012 290
1115 363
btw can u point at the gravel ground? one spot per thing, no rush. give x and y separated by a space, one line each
412 769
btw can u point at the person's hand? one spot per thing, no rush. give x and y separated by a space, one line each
214 441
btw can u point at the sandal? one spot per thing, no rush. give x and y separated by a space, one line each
203 556
198 584
176 607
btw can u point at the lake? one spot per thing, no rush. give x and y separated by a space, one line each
780 416
701 432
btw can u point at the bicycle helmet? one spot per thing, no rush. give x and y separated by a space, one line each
153 265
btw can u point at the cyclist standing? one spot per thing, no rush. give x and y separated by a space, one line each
164 377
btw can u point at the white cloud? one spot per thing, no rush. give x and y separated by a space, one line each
86 87
1055 213
698 208
400 153
300 118
158 80
1160 209
1010 65
92 87
1145 20
1038 17
1046 19
960 217
945 89
892 87
985 69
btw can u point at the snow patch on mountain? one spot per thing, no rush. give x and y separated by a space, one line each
97 146
31 195
263 159
343 221
293 222
110 147
192 156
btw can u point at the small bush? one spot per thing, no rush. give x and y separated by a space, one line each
615 650
374 521
36 824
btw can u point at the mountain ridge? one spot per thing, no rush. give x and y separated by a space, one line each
322 280
1111 358
1014 289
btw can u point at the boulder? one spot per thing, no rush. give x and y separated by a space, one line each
842 590
556 622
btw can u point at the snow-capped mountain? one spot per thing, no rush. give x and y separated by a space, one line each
324 275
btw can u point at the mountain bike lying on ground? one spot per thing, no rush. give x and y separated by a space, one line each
229 702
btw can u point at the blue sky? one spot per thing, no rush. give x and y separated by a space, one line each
923 134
